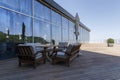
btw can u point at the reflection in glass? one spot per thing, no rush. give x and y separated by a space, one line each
56 18
56 33
41 11
24 6
56 26
4 24
61 30
64 29
41 32
14 21
71 32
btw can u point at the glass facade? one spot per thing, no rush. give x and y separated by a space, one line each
56 26
18 5
64 29
42 24
24 21
84 35
13 22
71 32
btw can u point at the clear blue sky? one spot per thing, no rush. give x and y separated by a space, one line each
101 16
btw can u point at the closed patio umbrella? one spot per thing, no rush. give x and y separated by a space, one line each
77 21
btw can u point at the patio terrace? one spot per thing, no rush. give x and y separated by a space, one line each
96 63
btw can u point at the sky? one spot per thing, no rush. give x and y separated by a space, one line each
102 17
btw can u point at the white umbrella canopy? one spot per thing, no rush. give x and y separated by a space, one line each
77 21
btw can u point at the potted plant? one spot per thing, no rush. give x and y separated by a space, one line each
110 42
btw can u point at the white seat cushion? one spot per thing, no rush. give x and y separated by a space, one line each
60 53
39 55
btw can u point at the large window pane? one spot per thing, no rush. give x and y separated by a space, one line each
71 31
17 21
56 33
12 4
41 32
24 6
47 13
41 11
56 26
64 29
4 24
56 18
13 22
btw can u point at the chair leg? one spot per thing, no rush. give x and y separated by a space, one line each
20 64
44 61
53 61
34 65
78 55
68 63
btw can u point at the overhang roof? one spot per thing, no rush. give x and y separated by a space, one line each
55 5
58 7
83 26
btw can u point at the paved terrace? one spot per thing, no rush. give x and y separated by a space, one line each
97 62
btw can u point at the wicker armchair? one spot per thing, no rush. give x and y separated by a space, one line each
26 54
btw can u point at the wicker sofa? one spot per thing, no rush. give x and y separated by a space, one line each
68 55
